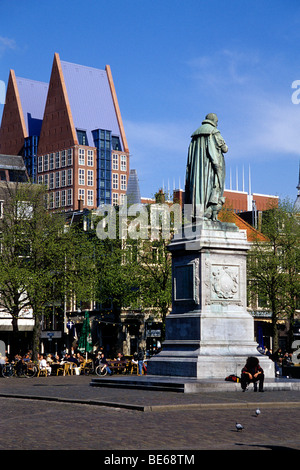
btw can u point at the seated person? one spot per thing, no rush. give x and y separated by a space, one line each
103 362
44 365
252 372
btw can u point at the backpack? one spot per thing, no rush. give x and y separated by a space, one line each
232 378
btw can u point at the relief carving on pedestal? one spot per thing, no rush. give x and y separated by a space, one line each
224 281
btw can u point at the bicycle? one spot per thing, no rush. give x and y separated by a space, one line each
101 370
31 370
8 370
28 370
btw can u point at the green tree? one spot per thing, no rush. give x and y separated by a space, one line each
40 261
135 271
154 277
273 265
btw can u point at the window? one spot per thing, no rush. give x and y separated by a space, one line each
81 195
81 157
90 178
115 161
63 178
115 143
51 181
63 158
123 163
115 184
51 161
24 210
51 200
90 158
40 164
57 160
46 162
115 199
90 197
70 157
57 199
69 196
57 179
122 199
81 176
40 179
123 182
63 198
82 139
46 181
70 177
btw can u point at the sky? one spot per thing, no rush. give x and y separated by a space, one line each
173 62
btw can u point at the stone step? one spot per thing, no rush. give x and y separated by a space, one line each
138 384
187 385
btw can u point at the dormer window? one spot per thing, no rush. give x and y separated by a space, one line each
82 138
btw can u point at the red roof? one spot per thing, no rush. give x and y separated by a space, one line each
252 233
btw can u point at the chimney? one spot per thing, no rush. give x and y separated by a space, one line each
80 205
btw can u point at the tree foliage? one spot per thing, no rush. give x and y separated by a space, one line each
274 265
40 261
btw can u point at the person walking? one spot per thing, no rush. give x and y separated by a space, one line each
140 361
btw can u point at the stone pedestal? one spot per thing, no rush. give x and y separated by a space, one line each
209 333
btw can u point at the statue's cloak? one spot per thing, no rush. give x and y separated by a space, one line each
205 172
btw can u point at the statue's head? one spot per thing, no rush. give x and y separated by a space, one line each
212 117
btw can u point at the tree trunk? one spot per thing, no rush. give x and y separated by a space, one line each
36 337
275 344
14 349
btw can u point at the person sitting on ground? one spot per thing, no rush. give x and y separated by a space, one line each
252 372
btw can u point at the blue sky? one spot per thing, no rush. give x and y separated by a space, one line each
172 63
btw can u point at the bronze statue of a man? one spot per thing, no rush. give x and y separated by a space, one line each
205 172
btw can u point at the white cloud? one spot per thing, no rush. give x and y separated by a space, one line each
7 44
271 129
224 67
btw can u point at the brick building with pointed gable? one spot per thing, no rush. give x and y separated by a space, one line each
70 134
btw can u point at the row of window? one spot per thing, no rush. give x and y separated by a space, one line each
118 199
89 193
65 178
119 158
89 177
57 179
64 198
123 181
55 160
64 158
87 155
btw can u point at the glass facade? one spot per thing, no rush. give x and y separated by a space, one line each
30 151
103 144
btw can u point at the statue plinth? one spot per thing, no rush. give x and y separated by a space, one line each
209 333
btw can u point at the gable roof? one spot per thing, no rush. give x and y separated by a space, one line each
91 100
252 233
33 96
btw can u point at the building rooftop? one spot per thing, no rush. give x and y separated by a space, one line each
12 168
33 97
90 99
